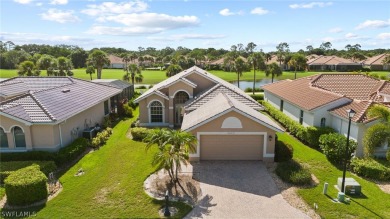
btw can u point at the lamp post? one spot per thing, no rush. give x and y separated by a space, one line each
351 113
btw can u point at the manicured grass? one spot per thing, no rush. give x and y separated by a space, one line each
112 186
153 77
373 204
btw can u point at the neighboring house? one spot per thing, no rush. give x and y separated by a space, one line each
225 120
47 113
323 100
332 63
375 63
274 59
127 89
115 62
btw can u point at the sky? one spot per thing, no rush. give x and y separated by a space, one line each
196 23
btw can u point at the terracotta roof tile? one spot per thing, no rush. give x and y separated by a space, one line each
360 107
375 60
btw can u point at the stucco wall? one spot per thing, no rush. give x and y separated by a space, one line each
356 133
201 82
144 110
248 125
43 137
7 124
323 112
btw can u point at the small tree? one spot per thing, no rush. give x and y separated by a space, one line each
90 70
27 68
133 70
98 59
274 70
378 133
239 67
173 69
333 145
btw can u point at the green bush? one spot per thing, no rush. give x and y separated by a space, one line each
71 152
101 138
333 146
29 155
257 97
370 168
139 133
141 87
26 186
291 126
249 89
6 168
283 151
107 122
132 104
127 111
291 171
313 135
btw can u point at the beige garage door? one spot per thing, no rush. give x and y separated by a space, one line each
231 147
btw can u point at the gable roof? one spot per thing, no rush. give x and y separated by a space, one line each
219 105
56 103
115 59
360 107
214 91
331 60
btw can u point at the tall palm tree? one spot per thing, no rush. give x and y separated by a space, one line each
239 67
126 59
274 70
256 59
133 70
378 133
98 59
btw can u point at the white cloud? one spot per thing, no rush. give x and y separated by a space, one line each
373 24
115 8
39 4
335 30
180 37
59 2
23 1
122 31
384 36
60 16
226 12
351 36
152 20
311 5
259 11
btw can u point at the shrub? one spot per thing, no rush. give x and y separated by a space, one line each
11 166
26 186
388 155
107 122
283 151
29 155
72 151
132 104
139 133
313 135
249 89
374 137
141 87
333 146
127 111
101 138
291 171
370 168
257 97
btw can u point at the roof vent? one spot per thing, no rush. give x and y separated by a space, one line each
66 90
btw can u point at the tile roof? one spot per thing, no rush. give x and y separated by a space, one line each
204 97
301 93
360 107
113 83
375 60
115 59
220 104
331 60
354 86
57 103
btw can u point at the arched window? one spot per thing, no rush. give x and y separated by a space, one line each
181 97
19 138
156 112
3 138
323 122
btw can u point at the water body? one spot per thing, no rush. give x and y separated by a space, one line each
258 83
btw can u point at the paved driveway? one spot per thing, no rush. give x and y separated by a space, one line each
239 189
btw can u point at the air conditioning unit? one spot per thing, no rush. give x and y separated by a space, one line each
89 133
351 187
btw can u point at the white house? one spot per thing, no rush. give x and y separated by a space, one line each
323 100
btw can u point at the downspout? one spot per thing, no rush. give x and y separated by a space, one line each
59 128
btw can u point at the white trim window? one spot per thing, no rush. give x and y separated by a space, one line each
19 138
156 112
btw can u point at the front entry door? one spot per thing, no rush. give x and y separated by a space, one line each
178 114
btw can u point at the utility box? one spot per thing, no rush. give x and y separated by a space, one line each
352 187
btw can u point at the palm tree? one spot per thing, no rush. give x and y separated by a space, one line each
133 69
98 59
139 78
90 70
28 68
255 59
126 59
274 70
378 133
239 67
173 69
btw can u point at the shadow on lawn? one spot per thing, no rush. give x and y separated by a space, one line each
21 212
367 208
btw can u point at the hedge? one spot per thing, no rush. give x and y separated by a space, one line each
101 138
370 168
26 186
313 135
29 155
291 171
6 168
283 151
139 133
257 97
71 152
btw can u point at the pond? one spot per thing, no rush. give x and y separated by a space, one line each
258 83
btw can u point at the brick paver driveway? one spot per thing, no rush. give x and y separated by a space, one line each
239 189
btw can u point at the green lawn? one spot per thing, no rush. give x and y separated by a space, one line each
112 186
373 204
153 77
